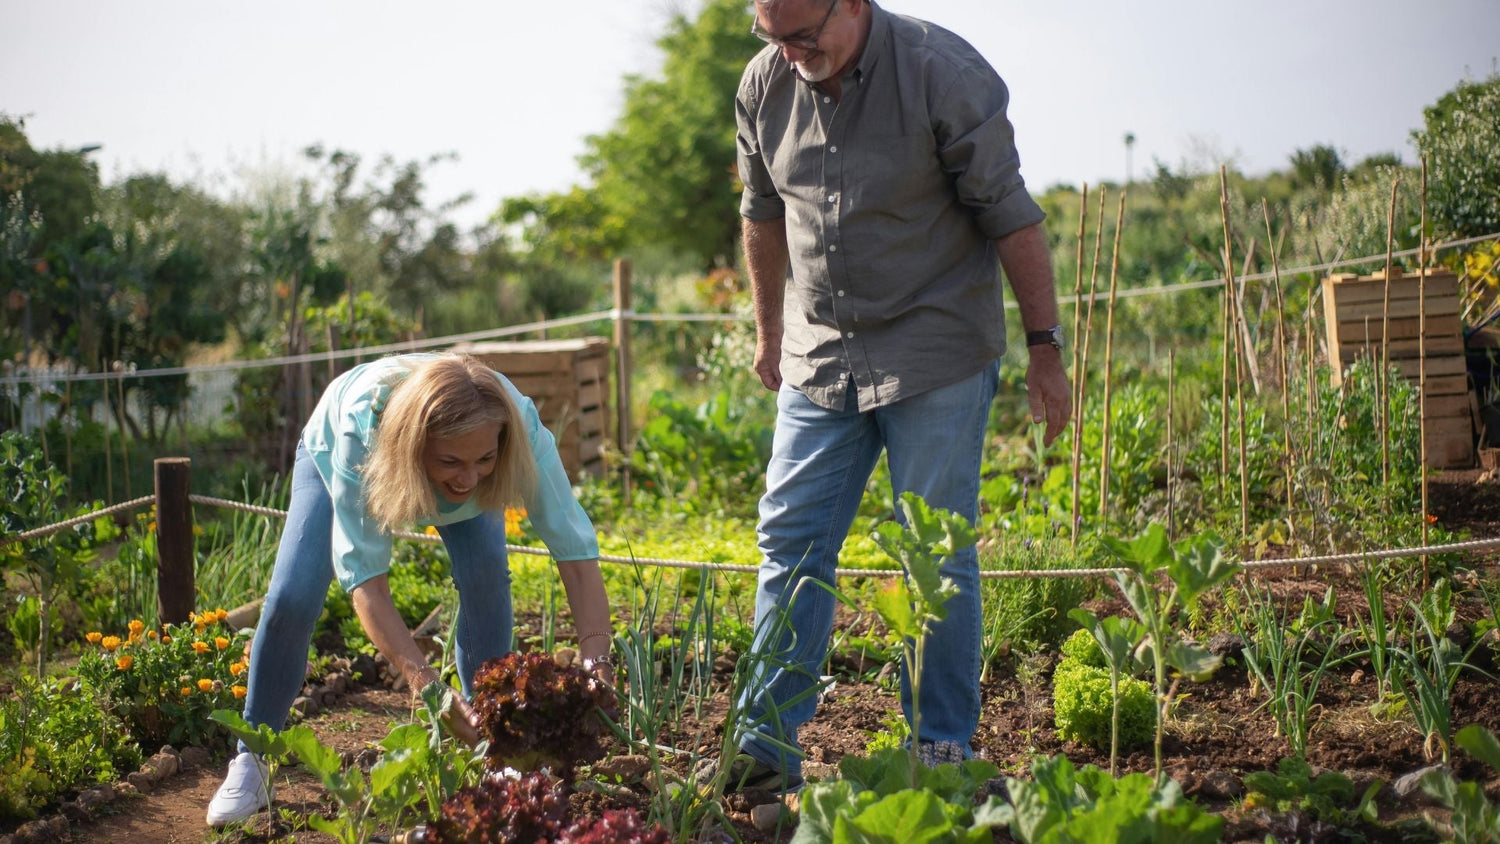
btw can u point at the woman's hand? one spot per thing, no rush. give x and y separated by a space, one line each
462 721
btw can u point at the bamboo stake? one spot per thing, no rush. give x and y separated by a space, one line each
1422 364
124 446
1239 352
1171 451
1083 215
1385 354
1224 389
1088 325
1286 402
1109 350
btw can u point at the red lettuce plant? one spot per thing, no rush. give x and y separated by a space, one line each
616 826
501 810
537 713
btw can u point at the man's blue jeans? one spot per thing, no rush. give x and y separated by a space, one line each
299 586
820 463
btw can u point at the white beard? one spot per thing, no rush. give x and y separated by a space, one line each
816 70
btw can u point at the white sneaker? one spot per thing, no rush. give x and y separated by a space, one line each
243 793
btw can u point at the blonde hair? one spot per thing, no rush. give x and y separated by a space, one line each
447 396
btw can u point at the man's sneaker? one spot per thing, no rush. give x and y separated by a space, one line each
935 753
747 773
243 793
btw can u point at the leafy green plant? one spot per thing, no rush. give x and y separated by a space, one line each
1426 672
885 798
537 713
1109 643
1328 797
1195 566
57 736
910 607
1094 707
1060 804
1474 818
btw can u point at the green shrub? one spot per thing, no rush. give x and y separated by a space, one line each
1082 707
1083 648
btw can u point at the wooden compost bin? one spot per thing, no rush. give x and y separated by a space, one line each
569 381
1353 308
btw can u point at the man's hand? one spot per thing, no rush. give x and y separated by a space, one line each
1048 391
462 721
768 359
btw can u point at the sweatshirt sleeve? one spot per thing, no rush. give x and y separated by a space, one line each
555 512
361 550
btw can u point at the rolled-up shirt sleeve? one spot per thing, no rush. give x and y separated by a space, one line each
555 512
977 147
759 200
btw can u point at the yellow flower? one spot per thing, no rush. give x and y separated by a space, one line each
220 614
238 668
151 634
200 647
239 691
137 627
110 642
186 691
431 531
220 642
124 662
205 685
165 638
94 638
513 517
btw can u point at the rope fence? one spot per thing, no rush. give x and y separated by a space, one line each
663 562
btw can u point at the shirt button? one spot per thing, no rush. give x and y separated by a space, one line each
831 199
841 293
833 149
833 247
850 335
828 99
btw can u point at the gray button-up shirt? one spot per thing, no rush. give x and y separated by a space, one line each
892 198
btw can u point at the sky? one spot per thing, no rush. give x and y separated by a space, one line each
208 91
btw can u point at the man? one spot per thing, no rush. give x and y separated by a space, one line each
881 185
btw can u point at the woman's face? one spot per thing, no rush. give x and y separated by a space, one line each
455 465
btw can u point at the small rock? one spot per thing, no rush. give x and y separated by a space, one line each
1356 677
305 706
140 781
766 816
337 682
96 796
746 800
1225 644
327 697
195 757
166 764
1408 785
818 770
887 671
629 768
75 812
125 789
364 669
367 757
565 656
169 750
1220 785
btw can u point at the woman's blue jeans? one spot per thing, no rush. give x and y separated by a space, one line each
299 586
820 463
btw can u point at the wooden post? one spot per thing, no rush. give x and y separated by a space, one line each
622 362
174 541
1075 340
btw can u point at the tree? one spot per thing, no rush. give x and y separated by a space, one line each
665 173
1318 168
1461 142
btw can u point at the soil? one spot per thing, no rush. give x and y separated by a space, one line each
1219 729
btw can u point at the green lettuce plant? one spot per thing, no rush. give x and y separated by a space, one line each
1114 640
1062 805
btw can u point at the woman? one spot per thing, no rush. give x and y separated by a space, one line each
435 439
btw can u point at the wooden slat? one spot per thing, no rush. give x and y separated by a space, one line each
1446 365
1447 385
1405 349
1406 328
1360 292
1450 443
1454 406
1436 306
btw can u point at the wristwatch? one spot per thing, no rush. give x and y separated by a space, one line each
1048 337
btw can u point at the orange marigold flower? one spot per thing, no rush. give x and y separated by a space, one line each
220 642
151 634
239 691
165 638
185 691
238 668
200 647
94 638
124 662
137 627
220 614
110 642
205 685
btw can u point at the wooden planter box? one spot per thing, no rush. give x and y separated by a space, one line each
1353 309
569 381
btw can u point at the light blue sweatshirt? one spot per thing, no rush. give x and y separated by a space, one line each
338 438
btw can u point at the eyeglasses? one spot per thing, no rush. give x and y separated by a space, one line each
799 42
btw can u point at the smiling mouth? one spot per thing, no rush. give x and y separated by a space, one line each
459 492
